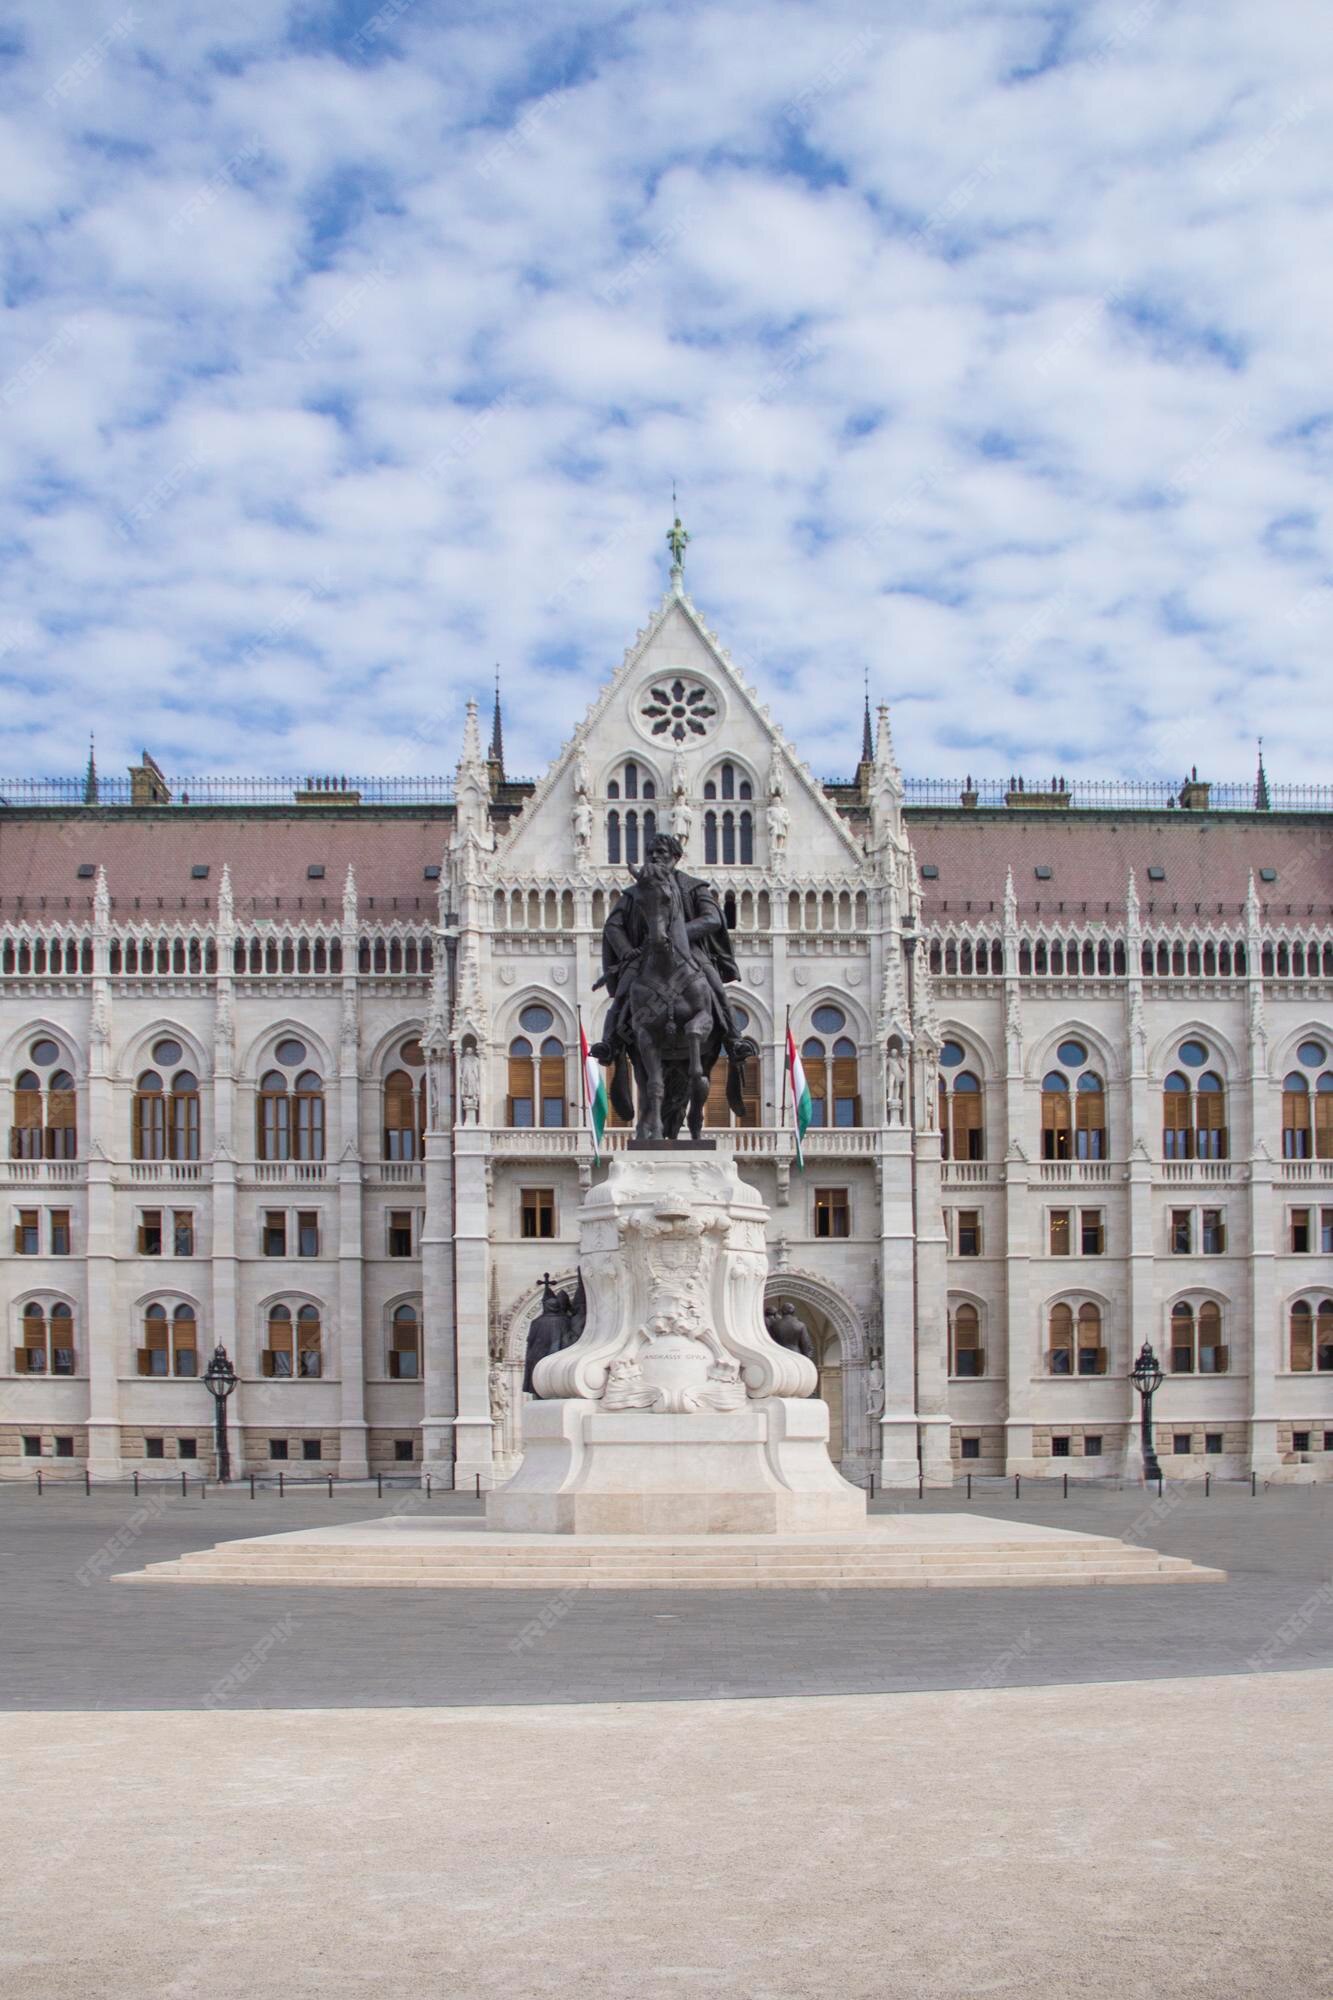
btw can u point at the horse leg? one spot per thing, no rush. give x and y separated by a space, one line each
650 1107
694 1039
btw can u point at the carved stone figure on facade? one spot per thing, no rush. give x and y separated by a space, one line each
582 775
469 1084
581 820
874 1388
895 1083
499 1387
667 961
777 817
682 819
790 1330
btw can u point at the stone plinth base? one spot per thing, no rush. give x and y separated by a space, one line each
763 1470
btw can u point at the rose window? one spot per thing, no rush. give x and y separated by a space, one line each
678 709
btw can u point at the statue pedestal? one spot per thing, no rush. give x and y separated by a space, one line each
764 1469
676 1412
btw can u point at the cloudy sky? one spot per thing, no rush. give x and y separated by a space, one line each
347 353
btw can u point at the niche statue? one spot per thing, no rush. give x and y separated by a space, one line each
559 1324
667 961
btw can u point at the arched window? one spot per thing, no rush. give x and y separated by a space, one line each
1182 1338
1194 1108
1311 1326
46 1340
1061 1326
405 1104
1076 1340
166 1107
962 1127
1307 1106
710 838
291 1107
170 1341
831 1070
1212 1354
613 837
967 1356
294 1342
536 1072
1196 1339
45 1126
405 1344
1073 1108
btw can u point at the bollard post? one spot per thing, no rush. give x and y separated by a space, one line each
136 1485
1160 1484
281 1486
330 1486
969 1486
872 1485
39 1485
921 1486
252 1486
428 1486
87 1483
379 1485
1207 1484
184 1489
1066 1485
478 1486
1018 1486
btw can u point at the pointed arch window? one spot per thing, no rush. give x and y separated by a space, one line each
1196 1339
45 1123
832 1070
967 1356
537 1072
962 1120
1311 1333
46 1340
1194 1107
291 1123
405 1344
1073 1108
166 1107
613 837
1307 1106
405 1104
170 1341
1077 1345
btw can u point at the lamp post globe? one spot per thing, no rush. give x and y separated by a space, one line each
220 1381
1146 1375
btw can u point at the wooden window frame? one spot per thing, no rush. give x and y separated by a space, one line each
537 1203
832 1203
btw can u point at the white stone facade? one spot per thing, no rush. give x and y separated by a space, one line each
831 911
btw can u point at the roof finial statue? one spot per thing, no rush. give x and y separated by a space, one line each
677 540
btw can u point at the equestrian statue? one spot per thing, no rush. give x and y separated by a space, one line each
667 961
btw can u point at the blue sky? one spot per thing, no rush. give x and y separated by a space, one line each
345 352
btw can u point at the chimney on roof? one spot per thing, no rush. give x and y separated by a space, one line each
1194 792
147 785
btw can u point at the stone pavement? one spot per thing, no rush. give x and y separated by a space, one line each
1103 1841
70 1639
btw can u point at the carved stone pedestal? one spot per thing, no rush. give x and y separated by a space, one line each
676 1412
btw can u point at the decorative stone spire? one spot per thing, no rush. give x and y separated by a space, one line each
497 750
1133 916
867 741
349 899
90 779
472 785
1253 910
1011 902
1262 802
102 902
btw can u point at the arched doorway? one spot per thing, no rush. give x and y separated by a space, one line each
840 1356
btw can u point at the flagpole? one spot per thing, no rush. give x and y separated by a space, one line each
583 1080
786 1066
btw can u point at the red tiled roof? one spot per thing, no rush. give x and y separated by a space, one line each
1207 859
149 855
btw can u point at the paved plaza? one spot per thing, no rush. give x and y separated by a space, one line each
1021 1793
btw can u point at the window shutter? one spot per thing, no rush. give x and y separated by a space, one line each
553 1083
145 1360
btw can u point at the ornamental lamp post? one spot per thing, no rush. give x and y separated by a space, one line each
1146 1376
220 1380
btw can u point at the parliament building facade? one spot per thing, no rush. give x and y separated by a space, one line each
301 1077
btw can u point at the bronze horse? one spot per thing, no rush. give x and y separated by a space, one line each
675 1035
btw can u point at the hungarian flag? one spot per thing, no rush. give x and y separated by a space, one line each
594 1093
800 1096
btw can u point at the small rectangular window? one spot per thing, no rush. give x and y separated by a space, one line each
1181 1443
1300 1440
1328 1440
60 1232
275 1232
1212 1443
1092 1232
150 1232
833 1216
277 1447
182 1232
1059 1447
65 1447
402 1450
199 872
1182 1231
970 1447
1300 1230
400 1232
307 1232
1060 1237
32 1445
1092 1446
27 1233
537 1212
969 1232
1214 1231
154 1447
312 1448
187 1447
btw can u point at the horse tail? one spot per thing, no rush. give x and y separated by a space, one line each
622 1097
